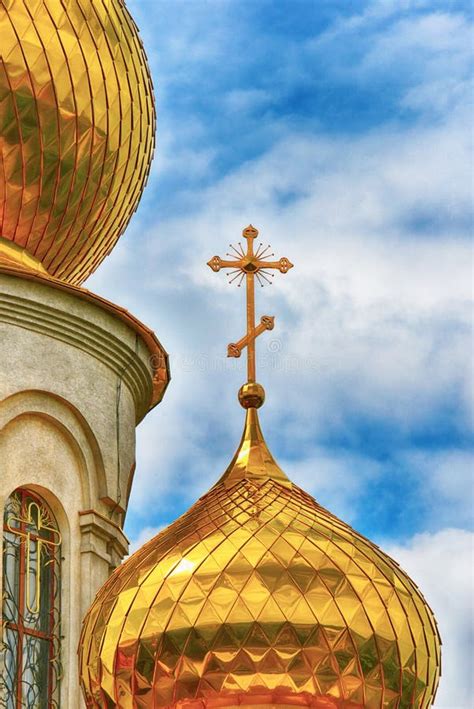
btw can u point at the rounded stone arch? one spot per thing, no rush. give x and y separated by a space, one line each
70 584
13 580
72 425
52 501
48 448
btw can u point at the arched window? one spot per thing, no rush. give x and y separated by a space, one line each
31 603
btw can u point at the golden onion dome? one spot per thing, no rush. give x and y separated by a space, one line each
259 597
76 129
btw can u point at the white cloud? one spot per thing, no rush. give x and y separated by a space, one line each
447 477
329 476
242 100
406 42
436 40
442 565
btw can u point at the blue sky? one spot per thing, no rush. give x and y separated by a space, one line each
342 131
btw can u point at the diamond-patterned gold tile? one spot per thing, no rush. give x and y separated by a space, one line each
77 123
291 607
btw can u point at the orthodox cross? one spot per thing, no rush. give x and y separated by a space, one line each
250 265
30 528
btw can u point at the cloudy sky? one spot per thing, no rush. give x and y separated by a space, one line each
341 129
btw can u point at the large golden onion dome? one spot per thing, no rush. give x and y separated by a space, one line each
76 129
259 597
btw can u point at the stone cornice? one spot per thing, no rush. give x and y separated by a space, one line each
158 360
54 320
93 524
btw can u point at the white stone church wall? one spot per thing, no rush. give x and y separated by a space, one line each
74 382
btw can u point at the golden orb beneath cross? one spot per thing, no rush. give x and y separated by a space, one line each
251 395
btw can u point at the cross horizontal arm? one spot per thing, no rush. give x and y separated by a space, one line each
216 263
283 265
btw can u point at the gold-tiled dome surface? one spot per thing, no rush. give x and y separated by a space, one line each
76 129
258 595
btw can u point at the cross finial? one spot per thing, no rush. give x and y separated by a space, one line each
250 265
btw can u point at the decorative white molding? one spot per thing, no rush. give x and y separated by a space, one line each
58 322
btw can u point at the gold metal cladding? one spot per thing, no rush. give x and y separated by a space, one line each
13 256
259 596
77 127
250 265
251 395
267 322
